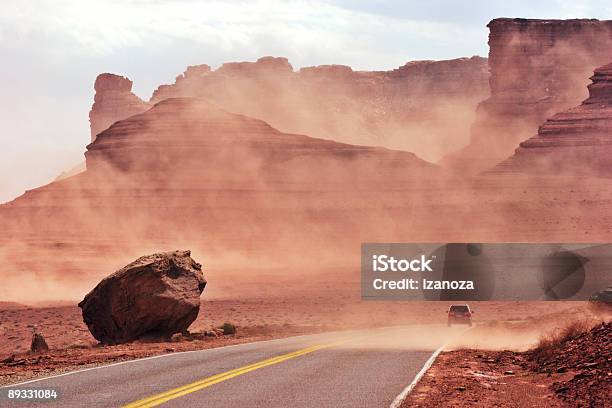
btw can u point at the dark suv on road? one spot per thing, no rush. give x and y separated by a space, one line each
459 314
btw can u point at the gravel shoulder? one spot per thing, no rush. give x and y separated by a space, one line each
569 367
483 379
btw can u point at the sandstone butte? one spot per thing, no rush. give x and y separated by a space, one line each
186 172
113 101
538 68
577 141
193 139
424 107
188 165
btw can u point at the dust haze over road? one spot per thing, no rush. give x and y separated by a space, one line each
351 368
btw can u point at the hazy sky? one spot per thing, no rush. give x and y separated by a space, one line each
52 50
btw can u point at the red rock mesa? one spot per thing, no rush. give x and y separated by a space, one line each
577 141
187 172
193 138
538 68
186 167
424 107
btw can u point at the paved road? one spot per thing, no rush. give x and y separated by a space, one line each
343 369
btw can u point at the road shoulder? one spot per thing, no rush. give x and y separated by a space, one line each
482 379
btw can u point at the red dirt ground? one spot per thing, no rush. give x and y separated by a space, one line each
72 346
575 372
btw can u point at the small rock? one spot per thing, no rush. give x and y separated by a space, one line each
197 336
9 359
581 375
16 363
460 389
509 372
38 344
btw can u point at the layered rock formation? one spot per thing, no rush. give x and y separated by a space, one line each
577 141
192 139
185 157
538 68
412 108
186 172
156 295
113 101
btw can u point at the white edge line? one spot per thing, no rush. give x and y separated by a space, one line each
402 395
177 353
169 354
150 358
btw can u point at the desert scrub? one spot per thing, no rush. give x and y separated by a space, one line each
552 342
228 328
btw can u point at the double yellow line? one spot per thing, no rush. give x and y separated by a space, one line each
159 399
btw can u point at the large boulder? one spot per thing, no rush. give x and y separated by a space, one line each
156 295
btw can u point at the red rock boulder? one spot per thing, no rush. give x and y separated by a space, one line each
156 295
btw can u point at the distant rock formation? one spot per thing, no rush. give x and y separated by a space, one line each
113 101
577 141
191 138
602 299
185 157
538 68
156 295
186 172
423 106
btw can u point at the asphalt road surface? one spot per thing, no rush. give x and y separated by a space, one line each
343 369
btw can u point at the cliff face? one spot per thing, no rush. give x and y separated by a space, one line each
113 101
538 68
577 141
423 106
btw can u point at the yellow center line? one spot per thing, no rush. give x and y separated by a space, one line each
160 398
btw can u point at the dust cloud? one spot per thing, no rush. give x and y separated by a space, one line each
60 241
424 107
258 207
